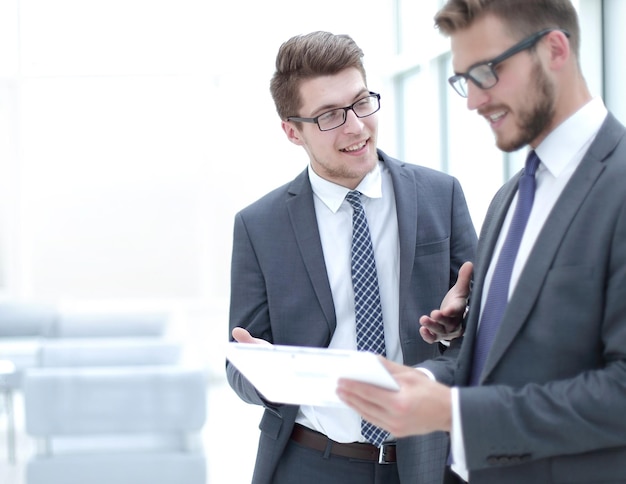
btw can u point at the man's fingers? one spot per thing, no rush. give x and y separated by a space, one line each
428 335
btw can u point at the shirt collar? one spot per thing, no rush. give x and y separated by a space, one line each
567 141
333 195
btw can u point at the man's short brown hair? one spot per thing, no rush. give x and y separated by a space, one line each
522 17
308 56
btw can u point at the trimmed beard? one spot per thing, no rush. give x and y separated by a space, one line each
534 121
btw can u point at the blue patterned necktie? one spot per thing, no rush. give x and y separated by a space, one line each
497 297
370 335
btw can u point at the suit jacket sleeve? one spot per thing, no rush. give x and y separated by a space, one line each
247 285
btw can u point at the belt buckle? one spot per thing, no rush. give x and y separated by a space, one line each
382 452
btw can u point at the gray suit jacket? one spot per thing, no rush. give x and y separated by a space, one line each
280 290
553 406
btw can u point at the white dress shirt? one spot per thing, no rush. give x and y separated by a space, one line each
334 220
560 154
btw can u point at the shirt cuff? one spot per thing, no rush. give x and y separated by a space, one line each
426 372
457 447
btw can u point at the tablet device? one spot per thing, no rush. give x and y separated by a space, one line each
304 375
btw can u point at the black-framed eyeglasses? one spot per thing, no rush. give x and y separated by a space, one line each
484 75
366 106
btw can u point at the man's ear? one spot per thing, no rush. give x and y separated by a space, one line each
559 49
292 133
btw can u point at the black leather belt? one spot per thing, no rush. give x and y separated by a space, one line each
385 454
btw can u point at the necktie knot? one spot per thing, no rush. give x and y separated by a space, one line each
532 163
353 197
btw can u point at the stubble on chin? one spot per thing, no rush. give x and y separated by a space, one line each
535 120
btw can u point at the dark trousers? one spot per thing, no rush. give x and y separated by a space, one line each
301 465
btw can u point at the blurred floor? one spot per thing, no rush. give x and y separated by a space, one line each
230 439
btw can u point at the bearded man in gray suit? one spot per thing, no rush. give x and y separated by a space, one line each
291 272
545 404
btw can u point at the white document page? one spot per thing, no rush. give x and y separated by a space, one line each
303 375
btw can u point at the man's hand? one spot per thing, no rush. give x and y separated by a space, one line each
420 406
243 336
445 323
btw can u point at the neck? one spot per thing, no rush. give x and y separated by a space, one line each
569 99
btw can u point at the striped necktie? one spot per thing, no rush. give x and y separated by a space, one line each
370 335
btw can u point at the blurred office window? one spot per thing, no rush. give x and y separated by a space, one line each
614 40
8 133
434 126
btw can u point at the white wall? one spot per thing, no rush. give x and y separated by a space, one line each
133 130
145 125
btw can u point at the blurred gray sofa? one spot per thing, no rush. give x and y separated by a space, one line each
38 335
123 424
25 326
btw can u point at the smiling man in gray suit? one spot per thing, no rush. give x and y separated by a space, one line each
546 402
291 278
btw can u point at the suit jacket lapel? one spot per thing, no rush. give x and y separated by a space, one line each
406 203
304 222
487 241
491 229
549 240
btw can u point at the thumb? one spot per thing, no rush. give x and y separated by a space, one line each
465 277
242 335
